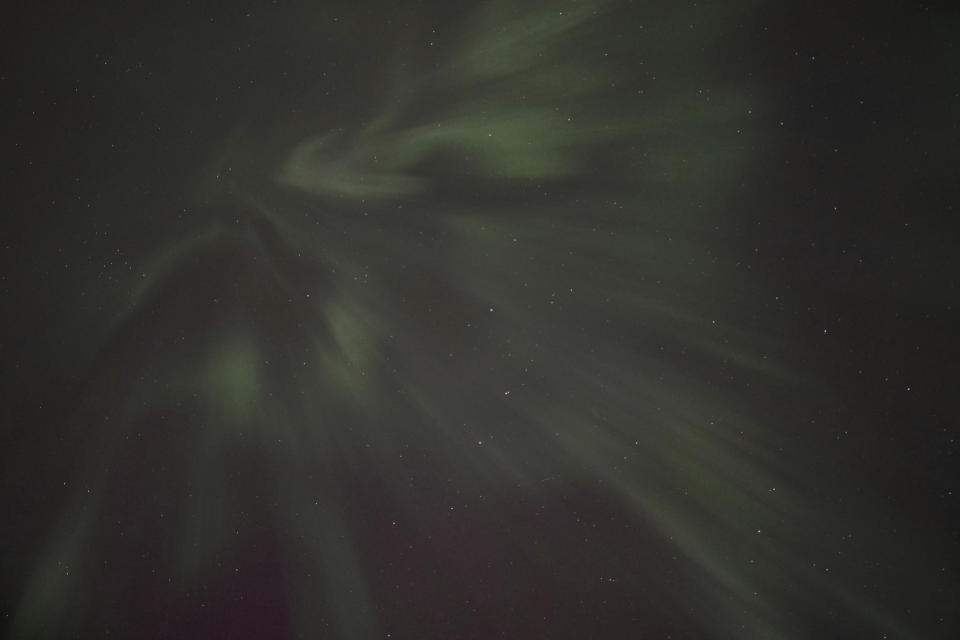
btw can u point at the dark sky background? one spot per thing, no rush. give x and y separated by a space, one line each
576 319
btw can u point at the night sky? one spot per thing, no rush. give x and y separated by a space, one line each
500 319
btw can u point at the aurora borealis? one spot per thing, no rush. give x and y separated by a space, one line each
581 319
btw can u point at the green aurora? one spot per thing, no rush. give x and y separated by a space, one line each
511 277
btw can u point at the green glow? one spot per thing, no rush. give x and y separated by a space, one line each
350 365
504 40
233 380
54 598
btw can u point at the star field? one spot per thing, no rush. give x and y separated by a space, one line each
586 319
